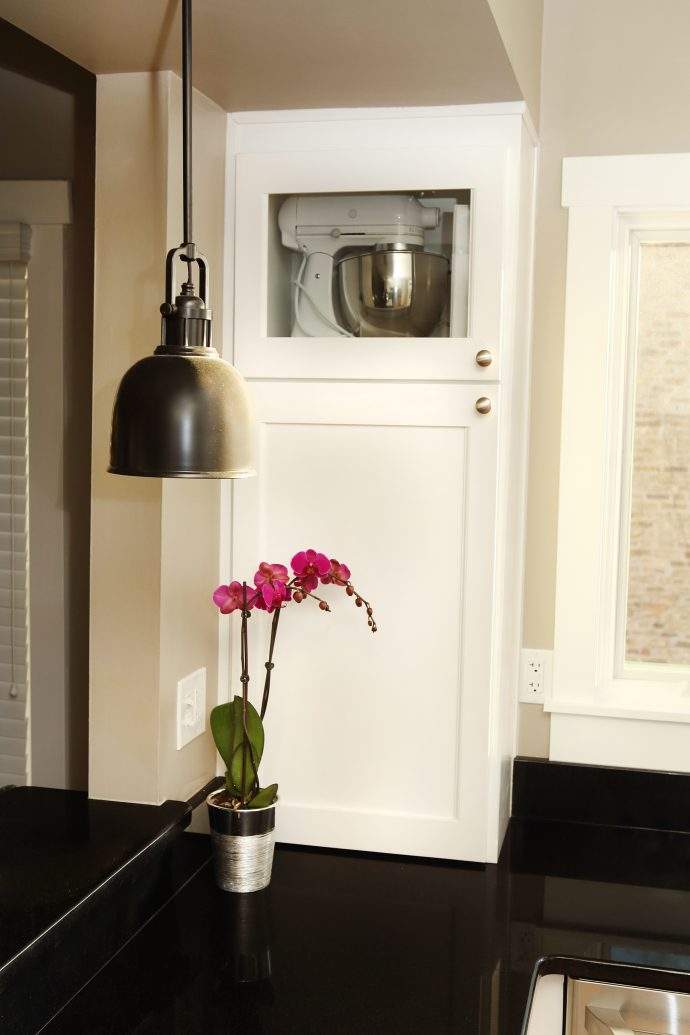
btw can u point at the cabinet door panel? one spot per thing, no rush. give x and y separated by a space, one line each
482 170
379 742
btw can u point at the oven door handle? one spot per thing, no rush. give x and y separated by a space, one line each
601 1020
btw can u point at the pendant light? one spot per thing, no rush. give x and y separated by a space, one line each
183 412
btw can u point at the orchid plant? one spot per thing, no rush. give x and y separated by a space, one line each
237 726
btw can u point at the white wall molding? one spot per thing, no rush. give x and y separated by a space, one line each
627 181
36 202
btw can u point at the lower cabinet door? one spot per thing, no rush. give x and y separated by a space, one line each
378 742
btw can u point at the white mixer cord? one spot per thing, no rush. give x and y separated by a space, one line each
299 286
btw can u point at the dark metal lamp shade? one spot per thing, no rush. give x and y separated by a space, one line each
182 416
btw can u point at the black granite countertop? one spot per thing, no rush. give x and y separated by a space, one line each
78 878
342 944
58 847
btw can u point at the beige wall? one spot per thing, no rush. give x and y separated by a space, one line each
190 547
154 546
605 88
615 80
520 24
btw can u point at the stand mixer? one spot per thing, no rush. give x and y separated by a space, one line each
363 269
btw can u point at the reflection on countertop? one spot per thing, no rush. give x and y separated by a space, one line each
60 846
343 943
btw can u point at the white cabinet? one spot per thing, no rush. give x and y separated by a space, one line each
374 451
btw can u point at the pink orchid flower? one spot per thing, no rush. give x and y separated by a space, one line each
339 574
280 596
229 598
309 566
271 581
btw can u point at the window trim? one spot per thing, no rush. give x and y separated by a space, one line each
613 203
46 207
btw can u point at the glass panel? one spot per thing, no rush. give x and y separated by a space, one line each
394 264
658 603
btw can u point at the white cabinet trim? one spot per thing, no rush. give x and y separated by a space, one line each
367 114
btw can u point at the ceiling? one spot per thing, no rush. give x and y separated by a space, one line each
268 54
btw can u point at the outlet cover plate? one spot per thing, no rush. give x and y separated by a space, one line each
535 675
191 707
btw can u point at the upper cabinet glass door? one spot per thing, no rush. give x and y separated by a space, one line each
391 264
654 612
379 264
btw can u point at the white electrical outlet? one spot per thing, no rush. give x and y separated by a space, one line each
191 707
535 675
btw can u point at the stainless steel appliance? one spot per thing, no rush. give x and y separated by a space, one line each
364 270
598 1008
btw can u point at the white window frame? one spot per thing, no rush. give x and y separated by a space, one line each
600 705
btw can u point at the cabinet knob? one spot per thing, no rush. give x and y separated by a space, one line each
483 405
483 358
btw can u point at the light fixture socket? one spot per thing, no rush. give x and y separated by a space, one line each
186 323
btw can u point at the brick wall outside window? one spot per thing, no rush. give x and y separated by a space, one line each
658 607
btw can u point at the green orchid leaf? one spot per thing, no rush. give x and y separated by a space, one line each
226 727
249 769
228 734
255 728
265 796
222 718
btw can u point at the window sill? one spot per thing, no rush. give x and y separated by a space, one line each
613 708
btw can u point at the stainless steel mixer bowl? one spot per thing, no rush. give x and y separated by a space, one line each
393 290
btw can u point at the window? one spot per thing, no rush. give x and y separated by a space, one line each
14 240
655 610
622 637
34 523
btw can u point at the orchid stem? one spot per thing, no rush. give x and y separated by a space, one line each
244 679
269 663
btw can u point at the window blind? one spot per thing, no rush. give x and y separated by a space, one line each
14 539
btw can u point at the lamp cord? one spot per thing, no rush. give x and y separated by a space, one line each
188 240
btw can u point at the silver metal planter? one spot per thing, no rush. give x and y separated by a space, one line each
243 843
